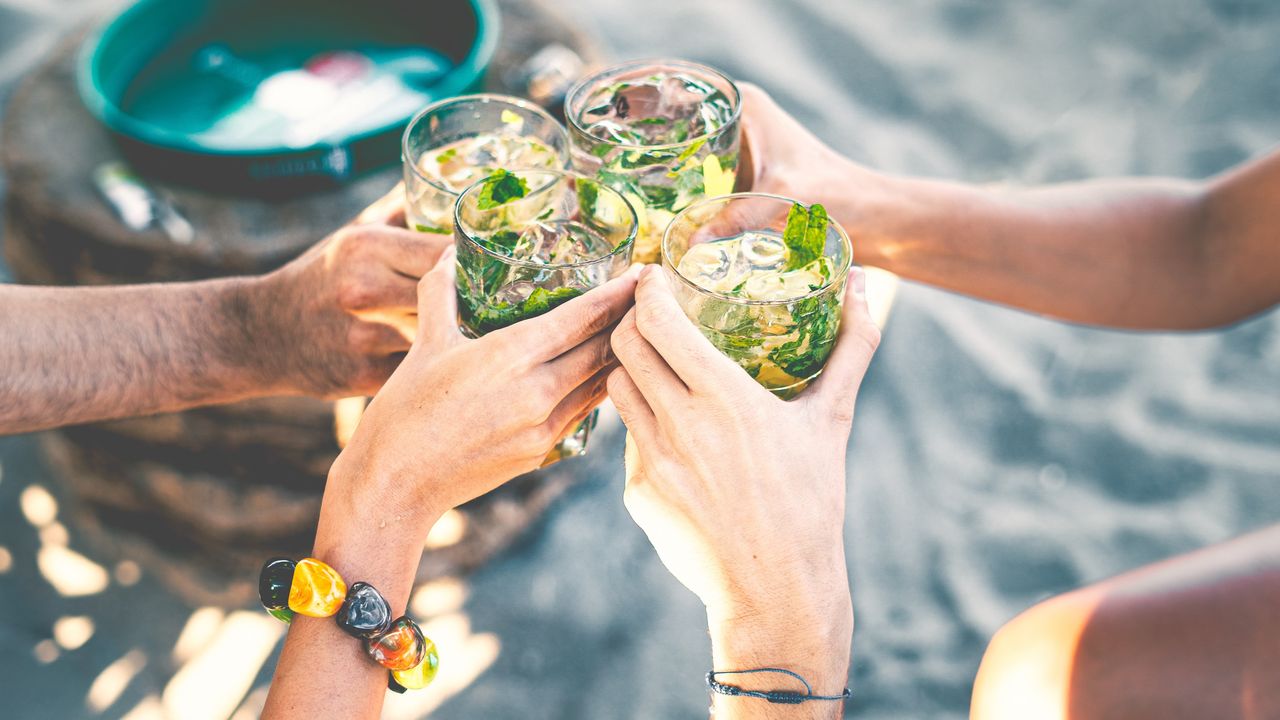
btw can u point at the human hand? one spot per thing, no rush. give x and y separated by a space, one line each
461 416
780 156
742 494
337 320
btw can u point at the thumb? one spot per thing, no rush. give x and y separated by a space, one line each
438 301
859 337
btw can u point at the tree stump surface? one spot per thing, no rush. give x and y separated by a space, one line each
201 498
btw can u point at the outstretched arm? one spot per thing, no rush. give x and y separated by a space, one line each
508 398
743 495
333 322
1156 254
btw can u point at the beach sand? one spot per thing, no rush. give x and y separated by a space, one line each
997 458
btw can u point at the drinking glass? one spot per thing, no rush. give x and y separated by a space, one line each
486 132
522 258
664 133
783 336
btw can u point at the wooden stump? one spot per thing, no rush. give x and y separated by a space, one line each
200 498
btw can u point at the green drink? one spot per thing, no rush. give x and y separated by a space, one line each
663 133
530 240
763 279
455 142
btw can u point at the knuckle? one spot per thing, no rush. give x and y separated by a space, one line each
601 354
616 385
356 294
594 315
352 240
624 339
537 438
651 317
536 400
841 413
870 334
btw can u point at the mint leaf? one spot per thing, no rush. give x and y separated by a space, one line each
501 188
679 131
816 322
658 196
620 182
588 193
431 229
484 319
815 235
689 152
502 241
633 159
542 300
601 150
805 235
793 234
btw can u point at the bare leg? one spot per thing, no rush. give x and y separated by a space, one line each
1197 636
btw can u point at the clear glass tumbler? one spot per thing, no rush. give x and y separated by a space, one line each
522 258
457 141
664 133
768 307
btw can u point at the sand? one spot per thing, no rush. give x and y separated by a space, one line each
997 458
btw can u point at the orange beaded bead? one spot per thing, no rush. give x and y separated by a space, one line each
401 647
317 589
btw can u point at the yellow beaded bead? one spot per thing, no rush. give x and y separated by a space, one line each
317 589
421 675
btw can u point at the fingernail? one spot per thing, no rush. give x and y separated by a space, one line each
859 281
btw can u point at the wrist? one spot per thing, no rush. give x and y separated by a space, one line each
370 531
252 339
875 208
808 635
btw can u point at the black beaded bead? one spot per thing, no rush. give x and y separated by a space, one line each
364 613
274 582
394 686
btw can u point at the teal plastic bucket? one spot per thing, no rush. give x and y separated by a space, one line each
268 97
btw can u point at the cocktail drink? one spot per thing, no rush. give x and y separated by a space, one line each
530 240
663 133
763 278
455 142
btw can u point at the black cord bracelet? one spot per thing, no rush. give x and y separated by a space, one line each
781 697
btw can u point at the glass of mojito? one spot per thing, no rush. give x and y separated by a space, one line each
455 142
664 133
529 240
763 278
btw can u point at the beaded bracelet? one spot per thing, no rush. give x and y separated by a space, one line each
312 588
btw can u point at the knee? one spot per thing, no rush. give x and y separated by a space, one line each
1026 671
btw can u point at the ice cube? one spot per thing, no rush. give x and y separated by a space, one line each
570 247
706 264
783 286
637 100
537 242
515 293
762 252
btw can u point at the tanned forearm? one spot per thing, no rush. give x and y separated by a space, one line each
73 355
1129 253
